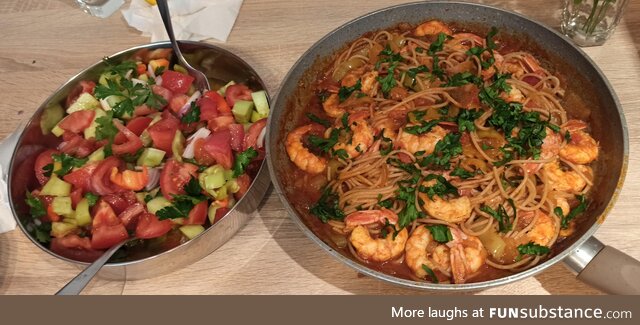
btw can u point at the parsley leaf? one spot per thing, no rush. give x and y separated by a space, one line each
323 144
345 92
409 213
341 153
441 188
462 173
106 130
440 233
582 206
327 207
460 79
413 72
121 68
466 119
92 199
67 162
318 120
243 159
388 82
182 204
438 44
193 115
429 271
445 150
36 208
42 232
533 249
504 221
424 127
48 169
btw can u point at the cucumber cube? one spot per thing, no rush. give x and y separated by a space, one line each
191 231
157 204
62 205
84 101
57 131
61 229
90 132
242 110
83 217
97 155
56 187
151 157
50 118
261 101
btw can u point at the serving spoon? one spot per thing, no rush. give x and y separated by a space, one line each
201 80
75 286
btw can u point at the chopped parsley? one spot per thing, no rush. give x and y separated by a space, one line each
564 220
424 127
388 82
413 72
323 144
461 79
440 233
132 95
193 115
532 248
327 207
438 44
67 162
466 120
182 204
318 120
409 213
36 208
491 45
243 159
340 153
106 130
429 271
345 92
441 188
462 173
445 150
92 199
121 68
504 221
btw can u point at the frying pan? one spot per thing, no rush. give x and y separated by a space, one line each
582 253
220 66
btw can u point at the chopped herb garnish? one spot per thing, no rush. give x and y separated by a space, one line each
432 275
318 120
582 206
327 207
424 127
413 72
461 79
345 92
388 82
67 162
243 159
121 68
533 249
441 188
409 213
182 204
323 144
340 153
131 95
438 44
192 115
92 199
36 208
504 221
466 120
445 150
462 173
440 233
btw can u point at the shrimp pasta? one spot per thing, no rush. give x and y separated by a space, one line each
438 154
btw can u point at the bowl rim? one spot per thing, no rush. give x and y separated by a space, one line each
281 101
75 78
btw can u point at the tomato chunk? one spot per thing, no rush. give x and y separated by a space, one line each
218 146
237 92
137 125
174 176
84 86
43 159
177 82
162 133
76 248
76 122
150 227
198 214
107 230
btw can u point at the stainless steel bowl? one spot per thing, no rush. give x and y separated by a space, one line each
581 252
220 65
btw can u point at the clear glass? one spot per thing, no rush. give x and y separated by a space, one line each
591 22
100 8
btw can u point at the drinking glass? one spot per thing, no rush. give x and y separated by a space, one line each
591 22
100 8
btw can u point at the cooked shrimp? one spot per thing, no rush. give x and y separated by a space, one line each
368 217
351 78
301 156
380 249
514 95
370 83
544 228
550 148
331 106
582 149
565 181
449 210
491 71
432 27
424 142
464 41
528 64
462 257
361 138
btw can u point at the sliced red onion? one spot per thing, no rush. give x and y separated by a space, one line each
128 74
159 80
189 151
150 71
105 104
154 178
183 110
260 141
138 81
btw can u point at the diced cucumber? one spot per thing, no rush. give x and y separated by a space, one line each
255 116
242 110
57 131
143 77
50 118
97 155
223 90
232 186
177 221
84 101
56 187
191 231
113 100
261 101
83 217
109 76
179 68
90 132
157 204
61 229
211 213
70 220
62 205
212 178
150 157
177 145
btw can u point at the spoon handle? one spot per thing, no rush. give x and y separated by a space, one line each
166 19
75 286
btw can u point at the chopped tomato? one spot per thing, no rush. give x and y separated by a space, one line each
132 144
129 179
130 216
177 82
198 214
76 196
76 248
162 133
119 202
100 179
76 122
221 212
221 122
237 92
52 215
220 103
150 227
244 182
137 125
174 176
84 86
143 110
107 230
237 136
44 158
146 55
177 102
201 155
218 146
76 145
141 68
161 91
159 63
81 178
251 139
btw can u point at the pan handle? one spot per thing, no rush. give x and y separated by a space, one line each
605 268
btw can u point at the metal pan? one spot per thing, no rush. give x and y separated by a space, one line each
581 252
219 65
